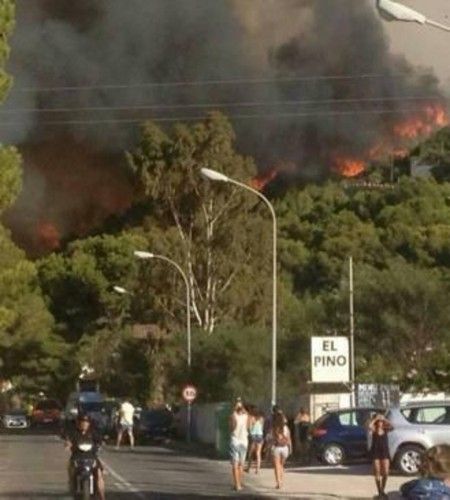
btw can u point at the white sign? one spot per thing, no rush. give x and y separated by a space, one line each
189 393
330 359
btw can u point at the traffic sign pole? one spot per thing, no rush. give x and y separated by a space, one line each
189 395
189 417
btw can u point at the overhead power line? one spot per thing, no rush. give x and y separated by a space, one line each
203 83
130 121
235 104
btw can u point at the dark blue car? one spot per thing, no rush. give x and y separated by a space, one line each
341 435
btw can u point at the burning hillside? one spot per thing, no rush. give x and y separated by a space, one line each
308 83
398 141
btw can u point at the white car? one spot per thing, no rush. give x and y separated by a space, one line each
15 419
417 427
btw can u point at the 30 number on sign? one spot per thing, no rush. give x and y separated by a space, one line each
189 393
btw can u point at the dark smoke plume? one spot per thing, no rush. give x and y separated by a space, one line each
96 44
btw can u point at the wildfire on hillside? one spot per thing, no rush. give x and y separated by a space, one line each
397 142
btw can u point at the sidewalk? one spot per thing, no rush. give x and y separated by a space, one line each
320 482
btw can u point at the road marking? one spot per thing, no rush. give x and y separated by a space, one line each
122 483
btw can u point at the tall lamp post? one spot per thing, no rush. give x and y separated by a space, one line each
213 175
148 255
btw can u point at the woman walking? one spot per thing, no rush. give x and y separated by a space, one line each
256 439
379 427
281 446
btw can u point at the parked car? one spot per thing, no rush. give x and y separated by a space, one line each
417 427
14 419
154 425
341 435
46 412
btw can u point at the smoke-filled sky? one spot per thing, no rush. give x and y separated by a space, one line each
306 82
424 46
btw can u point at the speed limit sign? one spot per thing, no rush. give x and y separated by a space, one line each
189 393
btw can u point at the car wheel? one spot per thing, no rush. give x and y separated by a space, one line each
408 459
333 454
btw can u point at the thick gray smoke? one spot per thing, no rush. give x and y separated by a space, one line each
263 51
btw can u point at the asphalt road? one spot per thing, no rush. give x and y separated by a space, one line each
34 467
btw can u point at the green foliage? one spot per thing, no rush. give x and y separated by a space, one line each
7 21
411 326
29 352
218 233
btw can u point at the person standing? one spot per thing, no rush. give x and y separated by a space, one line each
379 427
302 424
280 437
126 422
239 425
256 431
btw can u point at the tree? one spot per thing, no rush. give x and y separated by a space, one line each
403 325
218 233
399 241
29 352
91 317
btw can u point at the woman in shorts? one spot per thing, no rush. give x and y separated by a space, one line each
379 427
281 446
256 439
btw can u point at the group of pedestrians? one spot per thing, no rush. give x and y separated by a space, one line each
250 432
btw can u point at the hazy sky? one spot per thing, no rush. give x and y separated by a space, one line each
424 45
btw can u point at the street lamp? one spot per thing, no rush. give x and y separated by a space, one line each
140 254
213 175
121 290
148 255
394 11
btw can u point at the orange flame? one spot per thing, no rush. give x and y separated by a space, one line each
432 117
349 167
398 141
261 181
48 236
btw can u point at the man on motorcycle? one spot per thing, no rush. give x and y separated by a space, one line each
84 433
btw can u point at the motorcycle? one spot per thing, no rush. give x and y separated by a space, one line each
83 477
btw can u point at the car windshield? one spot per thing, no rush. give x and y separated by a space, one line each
47 405
155 416
321 420
21 413
92 407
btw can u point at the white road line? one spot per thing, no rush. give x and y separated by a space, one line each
122 483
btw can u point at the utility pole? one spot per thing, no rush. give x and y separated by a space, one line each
352 333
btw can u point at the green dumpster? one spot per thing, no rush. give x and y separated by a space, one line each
223 412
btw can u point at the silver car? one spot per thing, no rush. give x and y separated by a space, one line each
417 427
15 419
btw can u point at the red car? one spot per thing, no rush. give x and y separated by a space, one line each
46 412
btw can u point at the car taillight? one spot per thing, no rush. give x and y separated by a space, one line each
318 432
